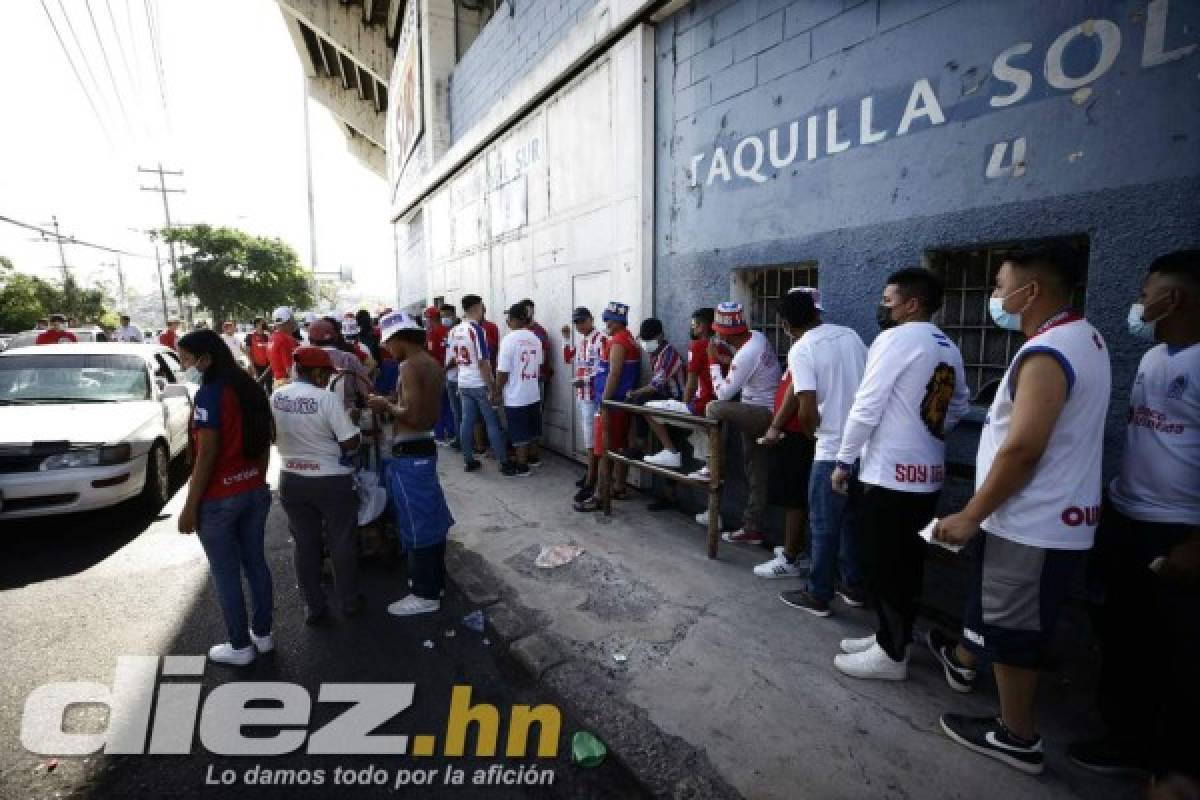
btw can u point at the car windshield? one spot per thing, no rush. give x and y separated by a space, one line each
72 378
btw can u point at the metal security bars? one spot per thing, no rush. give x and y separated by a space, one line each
970 277
766 285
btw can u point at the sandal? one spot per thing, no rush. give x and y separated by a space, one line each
591 504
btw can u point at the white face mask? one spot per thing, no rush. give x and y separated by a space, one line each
1007 320
651 345
447 321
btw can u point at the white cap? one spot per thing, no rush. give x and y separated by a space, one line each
310 317
395 322
282 314
350 327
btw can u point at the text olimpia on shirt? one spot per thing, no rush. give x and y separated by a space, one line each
913 392
1160 468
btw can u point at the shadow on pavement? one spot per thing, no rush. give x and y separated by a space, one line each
373 648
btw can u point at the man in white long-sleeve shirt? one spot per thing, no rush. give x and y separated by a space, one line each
755 374
912 393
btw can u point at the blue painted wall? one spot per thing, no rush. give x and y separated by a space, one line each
506 49
1119 163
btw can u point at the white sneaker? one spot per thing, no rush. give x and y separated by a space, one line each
701 474
857 645
263 644
227 654
665 458
802 561
411 605
702 518
872 664
778 567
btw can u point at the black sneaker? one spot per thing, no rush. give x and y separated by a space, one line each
581 482
960 678
855 598
534 462
473 466
801 599
514 470
584 493
1108 756
661 504
987 735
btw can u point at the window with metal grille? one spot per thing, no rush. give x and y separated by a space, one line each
764 286
970 278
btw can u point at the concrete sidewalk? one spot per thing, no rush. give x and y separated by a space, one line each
725 690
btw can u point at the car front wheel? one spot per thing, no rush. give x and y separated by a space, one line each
157 489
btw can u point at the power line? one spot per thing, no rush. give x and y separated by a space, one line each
107 64
164 191
70 239
156 50
78 77
120 47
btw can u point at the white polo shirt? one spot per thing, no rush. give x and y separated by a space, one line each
1160 469
309 424
520 356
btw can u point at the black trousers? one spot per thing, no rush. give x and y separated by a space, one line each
894 559
427 571
1149 634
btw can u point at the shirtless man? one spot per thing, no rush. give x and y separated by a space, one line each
422 517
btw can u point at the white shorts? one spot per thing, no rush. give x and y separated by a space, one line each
587 417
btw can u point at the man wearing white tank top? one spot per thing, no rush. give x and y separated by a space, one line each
1147 557
1036 503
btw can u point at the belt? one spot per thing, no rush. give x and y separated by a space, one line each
415 447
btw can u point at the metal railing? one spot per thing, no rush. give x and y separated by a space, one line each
715 432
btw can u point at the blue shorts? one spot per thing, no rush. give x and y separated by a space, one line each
1016 591
524 423
422 517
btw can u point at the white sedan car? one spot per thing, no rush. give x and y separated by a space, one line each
85 426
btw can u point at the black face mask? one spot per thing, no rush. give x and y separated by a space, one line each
883 316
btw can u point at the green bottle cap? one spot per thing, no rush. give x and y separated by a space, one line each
587 750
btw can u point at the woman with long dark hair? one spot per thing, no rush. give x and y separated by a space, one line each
228 498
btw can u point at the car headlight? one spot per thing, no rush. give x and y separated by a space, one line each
91 457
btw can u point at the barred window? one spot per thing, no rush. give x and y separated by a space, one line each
766 285
970 278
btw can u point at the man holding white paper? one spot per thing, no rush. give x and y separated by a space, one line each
1036 501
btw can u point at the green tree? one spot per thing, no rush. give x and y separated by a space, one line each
24 299
234 273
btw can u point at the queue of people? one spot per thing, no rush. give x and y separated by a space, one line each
848 440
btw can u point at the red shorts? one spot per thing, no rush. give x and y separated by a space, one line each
618 430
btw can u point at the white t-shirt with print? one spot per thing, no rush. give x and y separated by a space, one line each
309 424
467 345
1160 469
520 356
828 360
754 372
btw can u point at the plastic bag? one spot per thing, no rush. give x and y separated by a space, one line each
372 497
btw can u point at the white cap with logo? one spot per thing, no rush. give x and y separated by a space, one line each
397 321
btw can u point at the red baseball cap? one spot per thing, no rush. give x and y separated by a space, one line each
308 356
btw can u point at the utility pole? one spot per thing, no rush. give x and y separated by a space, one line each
62 253
164 191
312 212
161 289
120 283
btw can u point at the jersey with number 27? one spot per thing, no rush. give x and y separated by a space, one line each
521 357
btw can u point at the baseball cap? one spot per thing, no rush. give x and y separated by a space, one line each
282 314
808 290
730 319
580 314
308 356
616 312
350 327
397 321
321 332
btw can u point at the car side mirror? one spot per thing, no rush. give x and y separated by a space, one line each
175 390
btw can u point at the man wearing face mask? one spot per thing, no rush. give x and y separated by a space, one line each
449 320
1148 544
666 382
1037 501
57 333
912 393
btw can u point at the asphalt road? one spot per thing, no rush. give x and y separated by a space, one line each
77 592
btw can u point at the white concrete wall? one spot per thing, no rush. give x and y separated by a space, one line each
559 209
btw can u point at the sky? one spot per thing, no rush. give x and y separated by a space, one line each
233 122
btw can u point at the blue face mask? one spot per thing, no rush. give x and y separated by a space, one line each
1140 327
1005 319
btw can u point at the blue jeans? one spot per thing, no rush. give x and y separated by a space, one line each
232 530
455 405
833 544
475 403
